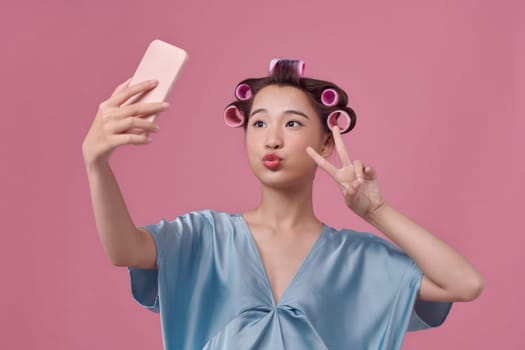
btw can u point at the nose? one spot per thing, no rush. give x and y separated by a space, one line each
273 138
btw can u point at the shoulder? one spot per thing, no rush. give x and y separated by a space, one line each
202 221
205 216
348 236
369 251
218 220
365 243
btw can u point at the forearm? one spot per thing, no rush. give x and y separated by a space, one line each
115 227
438 261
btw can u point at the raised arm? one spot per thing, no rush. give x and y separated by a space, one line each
447 276
115 125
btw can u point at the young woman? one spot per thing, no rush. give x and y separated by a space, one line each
276 277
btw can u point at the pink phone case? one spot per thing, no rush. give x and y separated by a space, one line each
162 62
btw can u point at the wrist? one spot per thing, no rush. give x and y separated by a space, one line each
375 215
94 165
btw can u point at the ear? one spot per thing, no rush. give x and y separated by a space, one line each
328 145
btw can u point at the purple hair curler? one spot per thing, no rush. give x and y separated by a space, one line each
243 92
329 97
298 64
335 117
233 117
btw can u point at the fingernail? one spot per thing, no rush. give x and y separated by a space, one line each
165 105
153 82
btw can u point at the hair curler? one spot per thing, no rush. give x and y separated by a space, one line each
329 97
243 92
233 117
298 65
338 116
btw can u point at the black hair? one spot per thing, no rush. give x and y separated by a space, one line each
286 73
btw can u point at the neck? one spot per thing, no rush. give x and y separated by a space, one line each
285 209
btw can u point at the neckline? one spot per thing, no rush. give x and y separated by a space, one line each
261 266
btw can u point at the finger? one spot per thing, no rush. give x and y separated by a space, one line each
133 123
127 92
353 187
142 109
120 87
340 146
129 139
321 162
358 169
370 172
134 110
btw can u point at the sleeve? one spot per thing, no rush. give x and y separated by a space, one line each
426 314
419 314
176 243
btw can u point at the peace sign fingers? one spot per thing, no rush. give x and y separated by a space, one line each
357 182
344 157
340 146
322 162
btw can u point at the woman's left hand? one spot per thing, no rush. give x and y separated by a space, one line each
357 182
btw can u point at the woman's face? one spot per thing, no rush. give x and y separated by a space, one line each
281 124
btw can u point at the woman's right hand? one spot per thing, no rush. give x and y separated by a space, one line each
116 124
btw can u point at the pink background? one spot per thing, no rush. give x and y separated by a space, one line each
436 87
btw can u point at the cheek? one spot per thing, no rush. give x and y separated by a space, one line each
311 139
249 141
250 149
299 151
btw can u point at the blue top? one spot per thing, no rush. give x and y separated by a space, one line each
354 290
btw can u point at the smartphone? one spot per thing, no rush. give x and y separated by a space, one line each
162 62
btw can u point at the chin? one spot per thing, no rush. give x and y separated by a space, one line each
282 179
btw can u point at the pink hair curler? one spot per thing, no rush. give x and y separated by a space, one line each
300 68
243 92
335 117
273 62
298 64
233 117
329 97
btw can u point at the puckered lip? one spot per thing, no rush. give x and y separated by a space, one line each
271 157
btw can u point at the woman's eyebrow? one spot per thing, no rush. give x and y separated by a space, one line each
257 111
292 111
289 111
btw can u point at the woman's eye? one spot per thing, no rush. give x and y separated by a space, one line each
293 123
258 124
